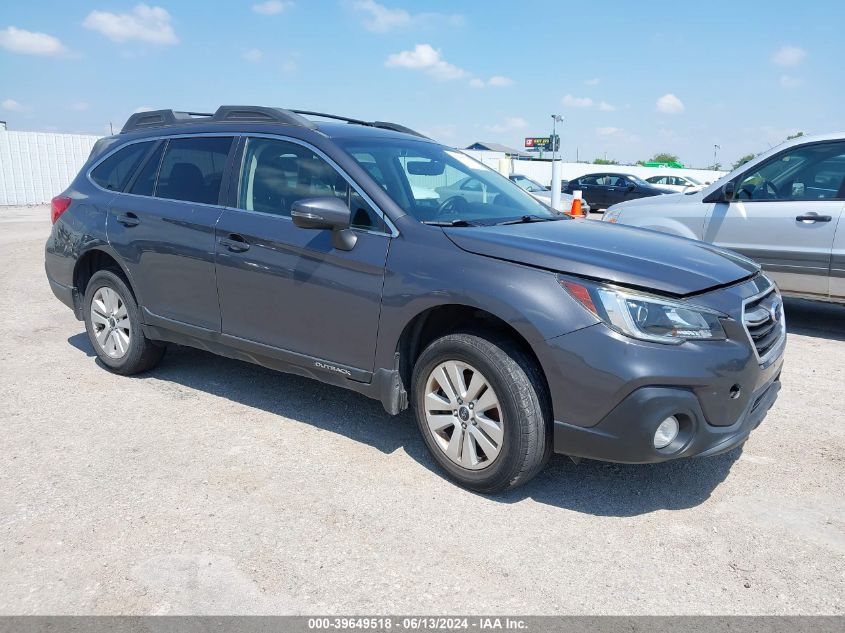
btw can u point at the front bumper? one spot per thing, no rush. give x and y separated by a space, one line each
610 392
626 433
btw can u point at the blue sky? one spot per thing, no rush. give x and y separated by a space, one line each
631 79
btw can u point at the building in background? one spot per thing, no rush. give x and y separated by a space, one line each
482 146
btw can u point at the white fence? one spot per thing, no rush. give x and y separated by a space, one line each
541 170
35 166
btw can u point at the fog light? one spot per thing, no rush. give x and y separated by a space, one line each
666 432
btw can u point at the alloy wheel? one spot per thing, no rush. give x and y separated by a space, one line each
110 320
464 415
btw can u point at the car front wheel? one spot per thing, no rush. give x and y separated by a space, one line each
479 404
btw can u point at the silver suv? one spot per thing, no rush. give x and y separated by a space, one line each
782 209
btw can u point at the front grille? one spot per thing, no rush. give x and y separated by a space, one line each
765 323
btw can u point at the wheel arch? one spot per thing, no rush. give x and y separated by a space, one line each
440 320
98 258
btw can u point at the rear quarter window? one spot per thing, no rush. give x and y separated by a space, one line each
116 170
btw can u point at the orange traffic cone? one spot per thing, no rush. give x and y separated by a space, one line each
576 211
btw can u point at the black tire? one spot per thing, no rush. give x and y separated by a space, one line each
519 385
141 353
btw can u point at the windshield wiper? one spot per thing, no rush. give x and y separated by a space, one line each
458 222
529 218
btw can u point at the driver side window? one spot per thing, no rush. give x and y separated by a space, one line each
278 173
811 172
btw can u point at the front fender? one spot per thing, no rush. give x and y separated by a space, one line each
431 272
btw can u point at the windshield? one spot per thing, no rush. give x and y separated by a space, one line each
436 184
692 180
636 179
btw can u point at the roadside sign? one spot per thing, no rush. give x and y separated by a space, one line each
543 143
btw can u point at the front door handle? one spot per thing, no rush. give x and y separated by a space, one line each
235 243
813 217
128 219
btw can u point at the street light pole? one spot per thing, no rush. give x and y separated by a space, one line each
556 178
715 149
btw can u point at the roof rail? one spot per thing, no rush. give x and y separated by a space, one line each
158 118
379 124
162 118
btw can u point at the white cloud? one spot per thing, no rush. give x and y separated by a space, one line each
604 106
382 19
142 109
788 56
30 42
577 102
788 81
670 104
79 106
607 131
271 7
509 124
253 55
496 81
144 23
427 59
593 82
11 105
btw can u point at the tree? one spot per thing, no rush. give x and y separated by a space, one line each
664 157
716 167
744 160
796 135
605 161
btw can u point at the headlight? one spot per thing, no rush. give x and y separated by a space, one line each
647 317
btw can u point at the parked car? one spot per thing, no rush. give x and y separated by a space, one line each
509 329
544 194
530 185
679 184
782 209
606 189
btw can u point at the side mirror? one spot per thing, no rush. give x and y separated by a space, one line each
729 191
631 187
326 213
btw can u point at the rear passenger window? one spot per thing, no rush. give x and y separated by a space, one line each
192 169
114 172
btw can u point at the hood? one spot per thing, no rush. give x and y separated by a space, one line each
615 253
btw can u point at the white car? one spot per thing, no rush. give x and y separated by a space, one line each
544 194
681 184
784 209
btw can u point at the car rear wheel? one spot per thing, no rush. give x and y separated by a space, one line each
113 322
479 406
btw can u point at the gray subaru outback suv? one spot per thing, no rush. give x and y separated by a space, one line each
324 249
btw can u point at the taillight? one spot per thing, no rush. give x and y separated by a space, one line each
58 205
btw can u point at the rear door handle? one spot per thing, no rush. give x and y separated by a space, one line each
813 217
235 243
128 219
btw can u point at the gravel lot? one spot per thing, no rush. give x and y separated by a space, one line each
213 486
